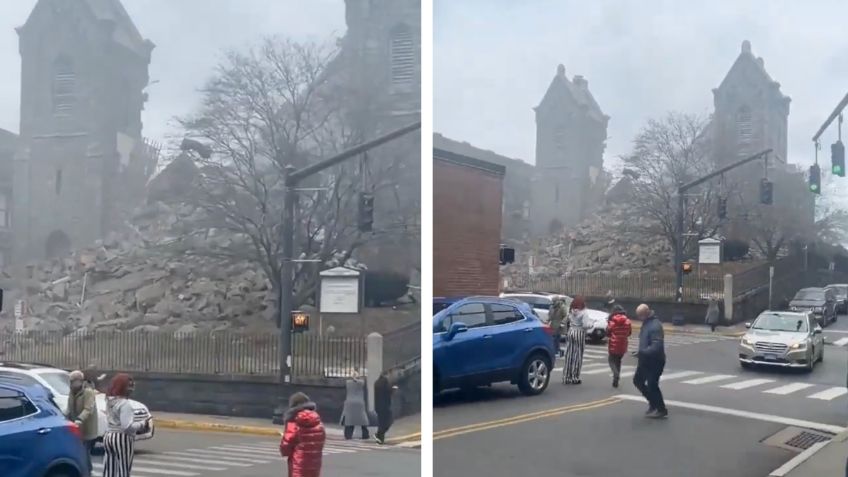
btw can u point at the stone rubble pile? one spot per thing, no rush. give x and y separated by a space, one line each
143 279
612 240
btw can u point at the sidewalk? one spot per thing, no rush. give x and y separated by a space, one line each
825 459
735 330
405 430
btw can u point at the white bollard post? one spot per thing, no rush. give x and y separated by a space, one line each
728 297
373 365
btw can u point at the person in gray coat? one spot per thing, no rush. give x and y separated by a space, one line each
355 412
713 314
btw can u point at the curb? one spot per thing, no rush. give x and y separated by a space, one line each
410 440
789 467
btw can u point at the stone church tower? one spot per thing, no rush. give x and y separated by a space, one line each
571 133
83 72
380 59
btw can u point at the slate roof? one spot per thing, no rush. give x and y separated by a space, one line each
747 59
580 94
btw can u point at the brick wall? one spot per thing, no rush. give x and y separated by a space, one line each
467 196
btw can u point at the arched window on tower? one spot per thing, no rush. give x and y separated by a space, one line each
744 129
402 56
64 86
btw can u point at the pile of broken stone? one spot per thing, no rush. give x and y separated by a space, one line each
141 279
613 240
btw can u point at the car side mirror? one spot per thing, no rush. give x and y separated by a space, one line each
747 325
456 328
817 330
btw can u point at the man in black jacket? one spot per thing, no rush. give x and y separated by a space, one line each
651 362
383 405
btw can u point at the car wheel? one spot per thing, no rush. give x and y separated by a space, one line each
535 375
811 361
821 355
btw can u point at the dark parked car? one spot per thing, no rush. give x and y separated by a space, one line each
841 291
483 340
820 301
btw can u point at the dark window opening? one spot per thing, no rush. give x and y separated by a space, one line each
402 53
58 181
64 86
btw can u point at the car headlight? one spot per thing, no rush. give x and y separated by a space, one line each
747 341
799 345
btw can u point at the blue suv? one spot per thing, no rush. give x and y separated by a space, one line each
478 341
35 438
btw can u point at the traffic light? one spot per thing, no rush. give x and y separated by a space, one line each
366 212
507 255
766 191
815 179
837 158
722 207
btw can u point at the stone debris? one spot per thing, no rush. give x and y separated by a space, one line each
143 279
611 240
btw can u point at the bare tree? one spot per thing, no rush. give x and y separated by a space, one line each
272 107
668 153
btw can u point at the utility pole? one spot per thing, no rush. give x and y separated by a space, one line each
291 179
681 190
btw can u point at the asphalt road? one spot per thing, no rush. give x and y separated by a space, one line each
193 454
719 414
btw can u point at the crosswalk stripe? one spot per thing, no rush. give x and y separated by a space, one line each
202 461
710 379
603 369
257 453
627 374
829 394
789 388
679 374
150 470
250 450
158 463
841 342
748 383
220 454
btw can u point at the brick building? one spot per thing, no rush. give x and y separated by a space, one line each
467 202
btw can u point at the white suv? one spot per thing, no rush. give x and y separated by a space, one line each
541 303
58 382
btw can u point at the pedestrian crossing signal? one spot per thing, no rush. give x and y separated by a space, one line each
766 191
687 267
837 157
300 321
722 208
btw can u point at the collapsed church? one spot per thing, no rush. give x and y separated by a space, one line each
542 206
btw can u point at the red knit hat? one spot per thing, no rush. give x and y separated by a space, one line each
578 303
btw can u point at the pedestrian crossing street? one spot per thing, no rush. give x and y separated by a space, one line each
224 458
595 364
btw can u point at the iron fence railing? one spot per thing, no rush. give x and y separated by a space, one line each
219 353
402 345
640 286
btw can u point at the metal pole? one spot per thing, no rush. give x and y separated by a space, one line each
771 286
286 277
833 115
678 255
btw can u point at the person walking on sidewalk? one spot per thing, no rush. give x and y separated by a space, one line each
82 410
355 412
713 314
619 330
303 438
383 405
575 343
650 362
119 439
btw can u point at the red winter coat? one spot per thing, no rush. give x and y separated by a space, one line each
303 443
618 330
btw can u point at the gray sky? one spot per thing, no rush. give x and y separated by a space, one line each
494 59
189 36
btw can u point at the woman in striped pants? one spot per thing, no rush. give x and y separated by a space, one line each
119 439
578 323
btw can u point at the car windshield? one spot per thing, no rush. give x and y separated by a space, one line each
810 295
780 322
841 290
59 381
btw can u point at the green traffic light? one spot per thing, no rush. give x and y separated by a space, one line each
837 169
814 187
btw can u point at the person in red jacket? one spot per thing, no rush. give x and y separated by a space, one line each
303 438
618 331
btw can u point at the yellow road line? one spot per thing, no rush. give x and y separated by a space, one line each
482 426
